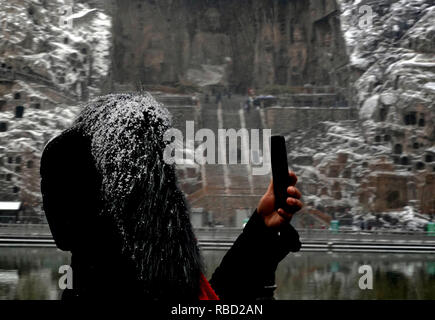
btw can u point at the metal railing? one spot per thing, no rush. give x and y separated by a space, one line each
381 241
24 229
218 233
228 233
330 235
366 235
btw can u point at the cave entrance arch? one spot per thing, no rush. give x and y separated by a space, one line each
393 199
398 149
19 112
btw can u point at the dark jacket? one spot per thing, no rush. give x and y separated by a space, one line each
112 201
247 271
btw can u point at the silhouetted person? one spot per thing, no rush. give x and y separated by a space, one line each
114 203
218 97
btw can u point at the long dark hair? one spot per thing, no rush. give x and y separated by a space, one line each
139 192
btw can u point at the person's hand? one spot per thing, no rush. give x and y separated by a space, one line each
266 206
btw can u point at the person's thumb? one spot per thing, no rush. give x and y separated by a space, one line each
270 188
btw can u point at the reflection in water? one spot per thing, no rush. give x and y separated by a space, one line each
335 276
27 273
321 275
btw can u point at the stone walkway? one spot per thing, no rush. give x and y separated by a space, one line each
229 188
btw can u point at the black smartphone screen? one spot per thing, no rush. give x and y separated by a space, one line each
281 179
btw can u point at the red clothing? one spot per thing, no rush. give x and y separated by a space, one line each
206 292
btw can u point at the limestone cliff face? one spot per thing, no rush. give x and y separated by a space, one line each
395 95
378 171
46 65
256 42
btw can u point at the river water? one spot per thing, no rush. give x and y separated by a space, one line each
32 273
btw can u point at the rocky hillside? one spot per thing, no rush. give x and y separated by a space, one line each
375 171
53 54
379 171
56 43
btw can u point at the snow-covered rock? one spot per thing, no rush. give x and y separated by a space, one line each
53 54
33 41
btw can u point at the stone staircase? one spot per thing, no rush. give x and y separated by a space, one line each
228 187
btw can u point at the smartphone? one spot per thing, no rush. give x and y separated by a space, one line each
281 179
